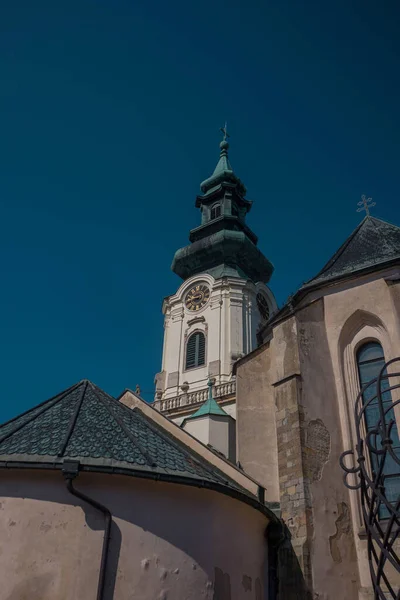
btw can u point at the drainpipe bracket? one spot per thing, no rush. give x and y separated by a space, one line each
70 469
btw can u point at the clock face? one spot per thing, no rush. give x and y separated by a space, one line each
197 297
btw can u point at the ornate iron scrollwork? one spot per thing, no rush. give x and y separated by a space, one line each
375 460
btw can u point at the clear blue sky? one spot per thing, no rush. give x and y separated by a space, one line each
109 115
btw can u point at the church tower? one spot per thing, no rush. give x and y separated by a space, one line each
213 318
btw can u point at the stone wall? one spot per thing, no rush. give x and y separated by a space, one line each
330 533
294 490
291 379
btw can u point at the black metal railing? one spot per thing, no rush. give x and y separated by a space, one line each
377 475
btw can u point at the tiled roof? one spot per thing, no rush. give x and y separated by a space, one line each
372 243
85 424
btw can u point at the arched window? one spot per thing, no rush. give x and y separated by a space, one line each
215 211
370 360
263 307
235 210
195 350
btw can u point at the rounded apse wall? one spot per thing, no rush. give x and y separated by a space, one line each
168 541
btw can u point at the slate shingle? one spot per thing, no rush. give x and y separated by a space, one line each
86 424
374 242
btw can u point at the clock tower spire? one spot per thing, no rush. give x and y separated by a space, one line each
212 319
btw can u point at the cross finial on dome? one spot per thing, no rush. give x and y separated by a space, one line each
224 130
224 145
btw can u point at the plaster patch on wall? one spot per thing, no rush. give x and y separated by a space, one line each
343 527
317 449
306 341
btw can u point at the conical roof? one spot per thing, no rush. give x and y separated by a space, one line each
85 424
223 172
374 242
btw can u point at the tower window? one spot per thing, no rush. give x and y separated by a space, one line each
235 210
195 350
215 211
263 306
370 360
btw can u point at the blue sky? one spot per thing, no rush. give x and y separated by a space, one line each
110 115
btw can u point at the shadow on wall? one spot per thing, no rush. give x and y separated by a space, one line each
137 501
113 552
286 580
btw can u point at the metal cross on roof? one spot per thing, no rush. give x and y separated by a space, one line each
225 131
365 204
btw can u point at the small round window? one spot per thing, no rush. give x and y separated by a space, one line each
263 306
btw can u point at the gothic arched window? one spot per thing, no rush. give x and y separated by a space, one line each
195 350
215 211
370 360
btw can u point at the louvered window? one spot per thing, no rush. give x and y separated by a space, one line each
196 350
215 211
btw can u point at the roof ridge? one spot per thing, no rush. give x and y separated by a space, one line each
74 418
371 218
45 406
339 251
193 455
209 448
40 404
116 418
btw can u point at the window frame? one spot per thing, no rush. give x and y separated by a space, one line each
196 366
381 361
260 298
215 206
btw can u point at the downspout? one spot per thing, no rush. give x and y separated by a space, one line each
70 471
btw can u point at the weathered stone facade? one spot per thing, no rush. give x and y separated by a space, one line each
297 384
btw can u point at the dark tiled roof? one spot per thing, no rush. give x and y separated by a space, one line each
373 243
84 423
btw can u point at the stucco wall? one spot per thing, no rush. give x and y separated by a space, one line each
333 556
255 421
216 431
355 313
306 376
168 541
